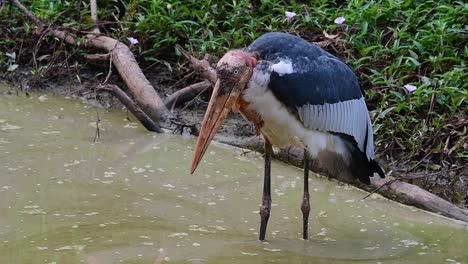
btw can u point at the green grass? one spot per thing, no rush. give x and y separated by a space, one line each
388 43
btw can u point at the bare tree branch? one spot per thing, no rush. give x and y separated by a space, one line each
186 94
93 6
203 67
144 119
97 58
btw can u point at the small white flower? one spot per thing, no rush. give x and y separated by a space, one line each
169 8
340 20
290 15
410 88
133 41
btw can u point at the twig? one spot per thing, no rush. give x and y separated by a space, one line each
94 18
380 187
118 21
429 112
98 120
97 58
203 67
186 94
98 131
109 73
183 79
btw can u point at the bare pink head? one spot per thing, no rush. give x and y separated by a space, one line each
234 70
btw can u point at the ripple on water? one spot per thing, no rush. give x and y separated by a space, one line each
178 234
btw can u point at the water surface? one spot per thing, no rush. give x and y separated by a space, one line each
129 198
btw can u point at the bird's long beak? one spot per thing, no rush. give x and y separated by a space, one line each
221 102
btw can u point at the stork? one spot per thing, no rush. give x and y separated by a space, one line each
295 93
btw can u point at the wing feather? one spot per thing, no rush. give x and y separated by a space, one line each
348 117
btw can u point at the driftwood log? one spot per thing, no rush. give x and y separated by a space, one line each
390 187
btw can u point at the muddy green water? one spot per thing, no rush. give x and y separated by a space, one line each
129 198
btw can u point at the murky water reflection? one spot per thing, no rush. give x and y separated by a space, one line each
129 198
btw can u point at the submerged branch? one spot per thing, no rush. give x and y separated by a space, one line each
144 119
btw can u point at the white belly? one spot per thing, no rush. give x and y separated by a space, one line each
283 129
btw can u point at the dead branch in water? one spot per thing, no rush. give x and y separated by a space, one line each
140 88
144 119
389 187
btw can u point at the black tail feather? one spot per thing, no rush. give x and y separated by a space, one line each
354 166
363 168
375 167
360 166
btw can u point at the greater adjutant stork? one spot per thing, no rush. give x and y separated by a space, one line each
294 93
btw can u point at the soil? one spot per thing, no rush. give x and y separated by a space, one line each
447 185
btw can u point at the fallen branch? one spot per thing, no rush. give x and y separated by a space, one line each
392 188
186 94
97 58
414 195
144 119
124 61
203 67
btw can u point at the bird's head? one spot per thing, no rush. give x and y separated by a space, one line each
233 71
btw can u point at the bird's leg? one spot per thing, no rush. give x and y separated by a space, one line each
305 206
266 198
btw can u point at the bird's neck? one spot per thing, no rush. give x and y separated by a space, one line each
242 107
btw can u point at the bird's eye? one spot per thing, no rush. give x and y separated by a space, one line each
236 71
